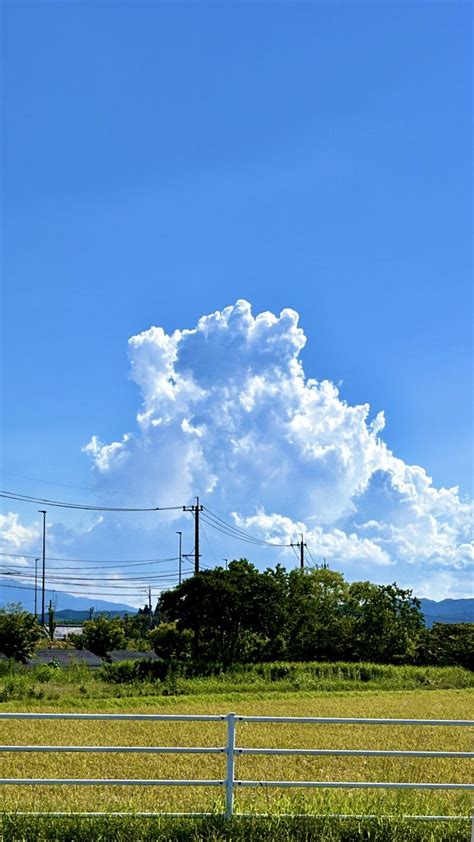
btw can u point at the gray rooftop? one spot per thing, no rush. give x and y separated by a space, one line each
65 657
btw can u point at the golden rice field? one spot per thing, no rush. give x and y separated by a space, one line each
440 704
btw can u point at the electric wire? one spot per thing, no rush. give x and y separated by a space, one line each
240 532
72 592
25 498
125 564
228 529
209 544
295 552
49 482
58 576
90 589
311 557
94 562
235 536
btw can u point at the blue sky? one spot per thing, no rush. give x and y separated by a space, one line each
162 161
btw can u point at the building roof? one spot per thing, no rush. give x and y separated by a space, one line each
65 657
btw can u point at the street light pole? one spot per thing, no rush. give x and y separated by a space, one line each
43 512
36 588
180 555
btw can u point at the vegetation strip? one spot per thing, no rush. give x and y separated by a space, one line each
257 828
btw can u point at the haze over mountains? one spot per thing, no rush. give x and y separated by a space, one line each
448 611
12 592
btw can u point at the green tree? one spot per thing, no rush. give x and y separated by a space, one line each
102 635
19 632
387 623
319 628
136 628
235 614
447 644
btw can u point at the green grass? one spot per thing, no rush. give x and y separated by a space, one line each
77 684
301 829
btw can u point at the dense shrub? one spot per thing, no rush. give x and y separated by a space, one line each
19 632
128 672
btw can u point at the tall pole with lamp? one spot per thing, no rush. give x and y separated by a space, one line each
43 512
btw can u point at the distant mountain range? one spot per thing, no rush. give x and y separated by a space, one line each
12 591
70 617
448 611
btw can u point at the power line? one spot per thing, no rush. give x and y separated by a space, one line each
49 482
87 580
295 552
311 557
125 564
229 529
89 588
209 545
235 535
240 537
25 498
74 593
239 533
96 560
60 577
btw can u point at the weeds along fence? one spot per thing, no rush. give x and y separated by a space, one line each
230 751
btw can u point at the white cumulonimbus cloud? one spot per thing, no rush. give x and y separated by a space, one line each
228 413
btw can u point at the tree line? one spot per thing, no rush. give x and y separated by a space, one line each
241 615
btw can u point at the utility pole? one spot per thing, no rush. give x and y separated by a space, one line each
301 544
225 560
149 599
195 509
43 512
36 588
180 556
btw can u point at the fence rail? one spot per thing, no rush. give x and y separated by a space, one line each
229 782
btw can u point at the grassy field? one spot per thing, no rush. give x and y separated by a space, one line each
283 692
443 704
77 687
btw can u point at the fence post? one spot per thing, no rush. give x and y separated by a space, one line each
229 781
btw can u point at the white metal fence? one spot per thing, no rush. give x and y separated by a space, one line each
229 783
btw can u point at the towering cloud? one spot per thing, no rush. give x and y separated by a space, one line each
228 413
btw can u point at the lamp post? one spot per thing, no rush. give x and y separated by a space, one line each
36 588
180 556
43 512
